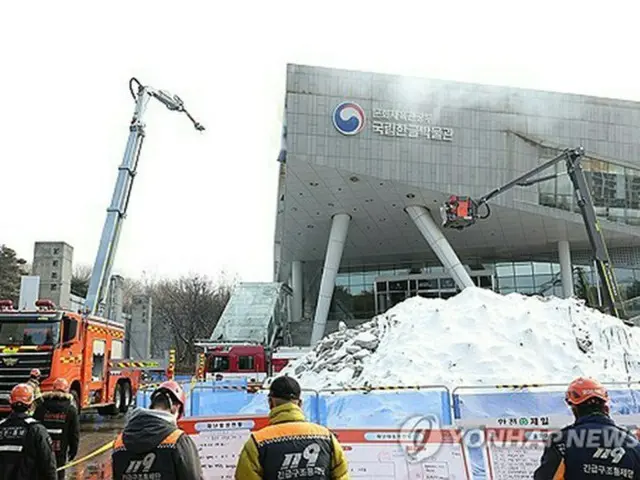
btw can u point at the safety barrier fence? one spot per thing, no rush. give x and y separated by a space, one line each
372 423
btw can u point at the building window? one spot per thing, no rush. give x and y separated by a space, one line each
55 263
54 287
56 251
615 191
245 363
219 364
54 275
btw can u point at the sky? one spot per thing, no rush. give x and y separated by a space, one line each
205 202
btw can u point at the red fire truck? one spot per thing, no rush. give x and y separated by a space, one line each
69 345
251 361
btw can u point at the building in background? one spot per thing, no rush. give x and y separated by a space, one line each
366 156
53 263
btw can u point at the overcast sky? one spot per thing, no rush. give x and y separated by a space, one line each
206 202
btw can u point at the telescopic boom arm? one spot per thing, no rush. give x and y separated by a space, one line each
117 210
572 157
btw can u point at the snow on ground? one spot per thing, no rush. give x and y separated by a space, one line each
477 337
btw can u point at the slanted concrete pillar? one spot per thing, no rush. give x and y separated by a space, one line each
335 247
296 285
440 245
566 269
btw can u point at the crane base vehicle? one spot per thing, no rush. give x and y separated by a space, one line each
461 212
82 346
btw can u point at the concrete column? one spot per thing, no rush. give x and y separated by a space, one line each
115 299
335 247
566 270
440 245
296 285
140 327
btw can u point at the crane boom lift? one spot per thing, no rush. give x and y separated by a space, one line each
462 212
117 210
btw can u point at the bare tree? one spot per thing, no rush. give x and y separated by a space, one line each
80 280
185 310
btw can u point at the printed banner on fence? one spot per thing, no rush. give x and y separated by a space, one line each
542 421
514 453
403 454
220 440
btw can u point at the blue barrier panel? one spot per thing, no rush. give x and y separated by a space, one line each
487 402
532 401
260 405
213 400
143 397
635 397
383 407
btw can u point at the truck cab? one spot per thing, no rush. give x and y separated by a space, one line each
236 361
64 344
251 362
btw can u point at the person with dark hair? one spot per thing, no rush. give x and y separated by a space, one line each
59 415
291 447
26 451
152 445
593 447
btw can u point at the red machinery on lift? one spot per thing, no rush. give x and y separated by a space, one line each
461 212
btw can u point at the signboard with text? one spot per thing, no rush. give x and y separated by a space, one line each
400 123
396 454
349 118
219 441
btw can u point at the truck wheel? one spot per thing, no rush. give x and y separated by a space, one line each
114 409
76 400
126 398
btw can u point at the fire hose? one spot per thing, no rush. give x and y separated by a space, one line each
108 446
95 453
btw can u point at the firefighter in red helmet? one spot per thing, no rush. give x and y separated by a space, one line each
593 447
154 434
59 415
25 446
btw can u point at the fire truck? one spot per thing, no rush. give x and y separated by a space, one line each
65 344
82 347
250 361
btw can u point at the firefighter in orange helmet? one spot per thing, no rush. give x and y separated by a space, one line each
25 446
59 415
154 434
593 447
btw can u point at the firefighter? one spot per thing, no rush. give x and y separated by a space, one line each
59 415
26 451
34 381
268 453
152 445
593 447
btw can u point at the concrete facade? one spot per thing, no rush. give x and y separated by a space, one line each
138 339
417 141
53 263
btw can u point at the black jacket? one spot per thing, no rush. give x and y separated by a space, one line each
59 415
593 448
144 431
25 449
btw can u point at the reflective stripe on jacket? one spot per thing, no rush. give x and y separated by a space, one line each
593 448
158 463
290 447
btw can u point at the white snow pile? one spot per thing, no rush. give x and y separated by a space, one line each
477 337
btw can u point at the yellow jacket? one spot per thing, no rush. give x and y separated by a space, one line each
249 467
